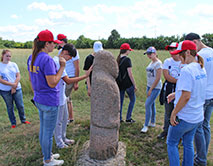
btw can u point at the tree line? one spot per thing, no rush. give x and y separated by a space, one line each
114 41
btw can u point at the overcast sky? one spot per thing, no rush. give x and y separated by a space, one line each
22 20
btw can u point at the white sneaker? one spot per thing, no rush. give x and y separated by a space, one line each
144 129
55 156
64 146
69 141
151 124
54 162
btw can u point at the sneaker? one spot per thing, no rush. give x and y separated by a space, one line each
64 146
130 121
162 135
121 121
54 162
69 121
144 129
69 141
151 124
13 126
55 156
26 122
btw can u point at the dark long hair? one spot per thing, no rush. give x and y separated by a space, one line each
119 56
38 45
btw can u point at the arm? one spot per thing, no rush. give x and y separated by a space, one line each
77 71
184 98
129 70
13 84
157 79
88 86
52 80
168 77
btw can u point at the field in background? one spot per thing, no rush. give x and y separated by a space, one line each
20 146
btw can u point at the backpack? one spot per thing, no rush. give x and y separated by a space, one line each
121 77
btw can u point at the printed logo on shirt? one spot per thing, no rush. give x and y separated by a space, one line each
198 77
209 59
151 72
4 77
35 69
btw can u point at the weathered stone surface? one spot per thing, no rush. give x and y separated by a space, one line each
105 104
117 160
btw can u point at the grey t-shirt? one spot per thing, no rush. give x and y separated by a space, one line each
151 70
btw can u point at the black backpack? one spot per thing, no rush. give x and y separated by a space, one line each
121 77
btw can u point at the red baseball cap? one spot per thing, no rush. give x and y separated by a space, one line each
126 46
47 35
61 36
172 45
184 45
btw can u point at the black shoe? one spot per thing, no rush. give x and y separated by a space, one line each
121 121
162 135
130 121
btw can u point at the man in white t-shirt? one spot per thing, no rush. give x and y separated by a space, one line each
171 72
73 70
203 133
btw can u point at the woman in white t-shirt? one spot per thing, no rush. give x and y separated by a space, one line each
10 88
189 99
153 70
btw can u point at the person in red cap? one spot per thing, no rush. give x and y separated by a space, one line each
188 111
72 69
127 84
44 78
171 72
154 84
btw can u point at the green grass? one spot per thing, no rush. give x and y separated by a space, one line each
20 146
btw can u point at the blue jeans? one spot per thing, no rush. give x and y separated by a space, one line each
131 93
186 131
48 117
150 106
203 134
9 99
168 111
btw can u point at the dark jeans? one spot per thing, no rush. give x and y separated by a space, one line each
168 111
9 99
131 93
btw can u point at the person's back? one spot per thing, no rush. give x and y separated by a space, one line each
207 55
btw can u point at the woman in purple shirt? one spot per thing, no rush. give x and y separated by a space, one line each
44 79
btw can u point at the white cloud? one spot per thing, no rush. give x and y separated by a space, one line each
44 7
14 16
203 10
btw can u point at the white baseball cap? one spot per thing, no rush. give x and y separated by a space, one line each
97 46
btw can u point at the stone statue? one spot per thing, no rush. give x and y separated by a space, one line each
105 106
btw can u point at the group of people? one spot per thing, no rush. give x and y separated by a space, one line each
187 92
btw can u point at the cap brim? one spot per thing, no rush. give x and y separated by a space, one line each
167 47
57 41
175 52
131 49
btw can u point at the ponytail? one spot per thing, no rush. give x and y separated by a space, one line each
200 61
199 58
37 46
119 56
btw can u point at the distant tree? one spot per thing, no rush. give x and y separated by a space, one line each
83 42
208 39
113 39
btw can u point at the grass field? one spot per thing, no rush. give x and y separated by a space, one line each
20 146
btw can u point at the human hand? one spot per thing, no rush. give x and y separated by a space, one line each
149 92
75 86
13 90
135 88
173 119
170 97
89 92
62 61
